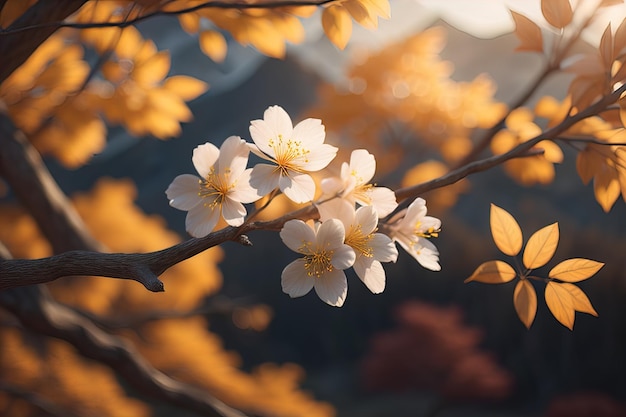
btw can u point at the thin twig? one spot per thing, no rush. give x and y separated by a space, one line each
207 5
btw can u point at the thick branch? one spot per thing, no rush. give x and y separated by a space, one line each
22 168
16 46
41 314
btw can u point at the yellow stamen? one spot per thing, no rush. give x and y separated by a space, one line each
286 152
359 241
215 188
317 260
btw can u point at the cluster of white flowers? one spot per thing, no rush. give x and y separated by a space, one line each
350 207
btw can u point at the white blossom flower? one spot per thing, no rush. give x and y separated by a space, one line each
223 186
353 184
412 233
295 151
371 248
325 258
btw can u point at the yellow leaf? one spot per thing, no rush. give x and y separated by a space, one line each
153 70
525 302
505 231
557 12
541 246
493 272
588 162
560 303
564 300
575 270
213 45
185 87
528 33
337 25
606 187
606 48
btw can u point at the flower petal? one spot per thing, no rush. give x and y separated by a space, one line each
243 191
233 212
427 255
371 272
201 220
343 257
204 157
383 200
363 164
331 234
299 188
233 157
264 178
294 279
383 247
367 218
332 287
295 233
275 122
415 212
183 192
319 157
339 209
310 132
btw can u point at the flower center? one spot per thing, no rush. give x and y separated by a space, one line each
360 242
215 188
363 193
317 261
428 233
286 152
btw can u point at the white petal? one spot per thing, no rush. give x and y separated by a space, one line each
331 186
339 209
383 247
319 157
415 212
233 212
332 287
310 132
299 188
204 157
201 220
383 200
371 272
331 234
264 178
294 279
278 120
233 157
183 192
275 122
430 222
368 219
343 257
364 164
243 191
295 233
428 258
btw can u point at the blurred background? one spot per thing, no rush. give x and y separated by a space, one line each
430 344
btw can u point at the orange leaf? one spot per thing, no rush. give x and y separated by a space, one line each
575 270
606 48
541 246
606 187
185 87
505 231
560 303
153 70
557 12
588 163
493 272
337 25
528 33
525 302
564 300
213 45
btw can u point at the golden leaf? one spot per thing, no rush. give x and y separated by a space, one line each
606 48
493 272
557 12
588 162
525 302
575 269
213 45
185 87
541 246
606 187
619 39
564 300
337 25
152 70
528 33
505 231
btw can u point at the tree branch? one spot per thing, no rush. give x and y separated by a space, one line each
17 45
38 312
206 5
